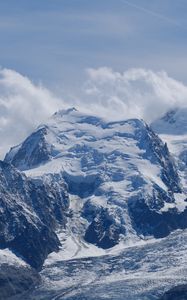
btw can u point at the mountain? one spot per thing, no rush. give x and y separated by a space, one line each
176 293
108 196
30 211
174 122
172 128
16 277
121 179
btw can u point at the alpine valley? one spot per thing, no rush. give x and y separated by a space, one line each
92 209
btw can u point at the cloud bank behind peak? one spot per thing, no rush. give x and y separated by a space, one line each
136 93
23 105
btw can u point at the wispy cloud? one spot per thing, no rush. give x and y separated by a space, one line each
135 93
55 42
151 13
23 106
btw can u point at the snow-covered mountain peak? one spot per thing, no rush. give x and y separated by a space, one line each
63 112
174 122
72 115
120 176
75 132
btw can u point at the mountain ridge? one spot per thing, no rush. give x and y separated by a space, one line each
103 191
123 162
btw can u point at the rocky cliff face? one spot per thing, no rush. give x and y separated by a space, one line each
16 277
30 211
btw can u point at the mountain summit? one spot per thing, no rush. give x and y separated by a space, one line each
122 181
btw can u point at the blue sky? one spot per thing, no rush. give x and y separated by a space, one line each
54 41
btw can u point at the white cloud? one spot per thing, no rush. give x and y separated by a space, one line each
136 93
23 106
